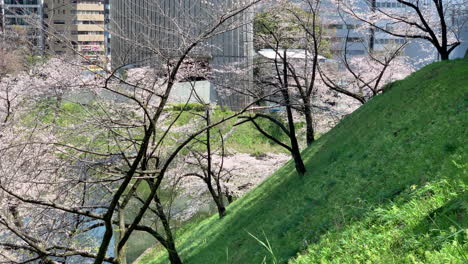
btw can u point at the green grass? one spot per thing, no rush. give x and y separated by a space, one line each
72 124
245 138
387 185
424 225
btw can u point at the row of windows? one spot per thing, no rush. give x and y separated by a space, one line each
72 1
355 52
79 22
349 52
77 12
19 11
389 5
342 26
92 52
354 26
87 32
17 21
400 5
87 12
58 12
21 2
388 27
377 41
76 2
87 22
90 42
87 1
390 41
350 39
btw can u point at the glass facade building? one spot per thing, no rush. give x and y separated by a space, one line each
23 20
151 32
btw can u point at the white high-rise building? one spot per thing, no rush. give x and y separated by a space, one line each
418 50
360 41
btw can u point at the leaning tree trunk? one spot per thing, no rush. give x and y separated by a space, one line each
295 151
217 197
170 243
221 206
121 255
173 255
310 133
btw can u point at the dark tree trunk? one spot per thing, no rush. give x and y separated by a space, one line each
221 209
170 243
309 124
218 199
300 168
295 151
217 196
122 252
173 255
229 198
372 31
444 55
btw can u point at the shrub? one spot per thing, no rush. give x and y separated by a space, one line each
188 107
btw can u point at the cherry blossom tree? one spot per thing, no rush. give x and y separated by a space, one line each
362 77
51 79
297 27
64 178
240 173
282 87
436 21
206 169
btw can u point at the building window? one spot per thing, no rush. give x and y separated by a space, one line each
355 52
87 12
87 22
74 32
335 26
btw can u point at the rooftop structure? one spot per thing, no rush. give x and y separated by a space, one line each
290 53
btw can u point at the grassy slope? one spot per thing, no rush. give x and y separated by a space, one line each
387 185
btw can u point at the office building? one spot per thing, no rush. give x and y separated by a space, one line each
22 20
361 39
419 52
139 26
76 25
148 32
